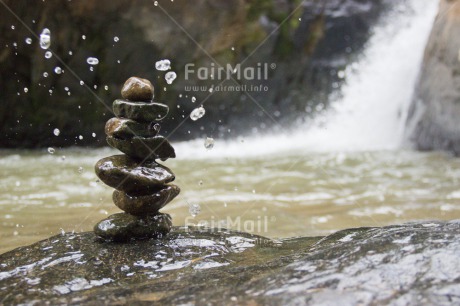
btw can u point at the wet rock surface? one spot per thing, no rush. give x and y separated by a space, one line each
412 264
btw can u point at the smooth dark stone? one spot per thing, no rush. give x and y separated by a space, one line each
137 89
410 264
126 128
140 111
141 205
124 173
143 148
123 227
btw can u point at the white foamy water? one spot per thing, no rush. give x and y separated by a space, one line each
375 99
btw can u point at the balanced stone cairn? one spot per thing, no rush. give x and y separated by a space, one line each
141 184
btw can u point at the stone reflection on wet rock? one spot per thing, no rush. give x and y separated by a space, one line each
141 184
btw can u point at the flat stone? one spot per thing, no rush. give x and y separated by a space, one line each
140 111
143 148
145 204
137 89
124 227
124 173
127 128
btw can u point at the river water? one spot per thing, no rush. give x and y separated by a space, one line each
350 166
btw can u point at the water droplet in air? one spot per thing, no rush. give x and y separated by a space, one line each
209 143
163 65
45 39
93 134
12 27
155 3
45 74
82 83
66 88
92 61
200 183
26 90
58 70
56 132
51 150
116 39
170 77
28 40
80 137
193 99
83 37
63 157
70 52
197 113
18 183
194 209
48 54
106 87
80 169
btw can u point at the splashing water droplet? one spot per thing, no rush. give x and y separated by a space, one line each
197 113
194 209
62 232
58 70
45 74
116 39
56 132
51 150
80 137
26 90
12 27
193 99
93 134
63 157
48 54
83 37
28 40
209 143
92 61
170 77
106 87
155 3
82 83
45 39
163 65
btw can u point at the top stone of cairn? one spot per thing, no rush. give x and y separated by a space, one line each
137 89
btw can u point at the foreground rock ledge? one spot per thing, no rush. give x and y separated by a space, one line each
410 264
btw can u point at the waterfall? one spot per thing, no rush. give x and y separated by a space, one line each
372 110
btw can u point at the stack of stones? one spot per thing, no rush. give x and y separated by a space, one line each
141 184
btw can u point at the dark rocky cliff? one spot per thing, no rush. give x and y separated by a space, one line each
308 43
435 111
